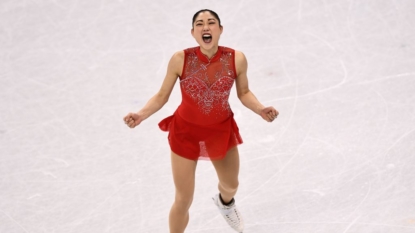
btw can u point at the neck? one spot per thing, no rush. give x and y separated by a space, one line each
209 53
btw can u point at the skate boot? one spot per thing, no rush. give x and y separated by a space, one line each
230 213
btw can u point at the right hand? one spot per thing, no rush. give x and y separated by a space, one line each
133 119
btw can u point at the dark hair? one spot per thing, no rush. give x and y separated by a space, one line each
204 10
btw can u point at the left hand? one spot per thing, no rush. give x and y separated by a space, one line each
269 114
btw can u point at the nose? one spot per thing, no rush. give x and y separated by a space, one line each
205 27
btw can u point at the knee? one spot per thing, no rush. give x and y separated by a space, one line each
183 202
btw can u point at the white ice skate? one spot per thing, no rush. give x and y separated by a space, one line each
230 213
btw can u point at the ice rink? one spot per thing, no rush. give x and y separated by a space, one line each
339 159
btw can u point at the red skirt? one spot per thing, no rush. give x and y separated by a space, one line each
192 141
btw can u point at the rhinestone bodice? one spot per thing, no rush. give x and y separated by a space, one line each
206 84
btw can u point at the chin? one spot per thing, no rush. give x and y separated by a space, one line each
208 46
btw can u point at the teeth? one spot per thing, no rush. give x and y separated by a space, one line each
206 36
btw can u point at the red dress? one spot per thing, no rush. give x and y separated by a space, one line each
203 126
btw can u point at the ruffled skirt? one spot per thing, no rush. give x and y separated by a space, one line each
192 141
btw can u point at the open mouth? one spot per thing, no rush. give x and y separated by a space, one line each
207 38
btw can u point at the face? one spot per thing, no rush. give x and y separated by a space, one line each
206 31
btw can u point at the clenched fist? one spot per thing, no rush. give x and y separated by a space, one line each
133 119
269 114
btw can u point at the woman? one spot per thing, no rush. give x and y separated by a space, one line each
203 125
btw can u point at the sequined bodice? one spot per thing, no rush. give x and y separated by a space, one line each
206 85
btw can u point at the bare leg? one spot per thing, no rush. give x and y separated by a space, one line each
184 181
227 170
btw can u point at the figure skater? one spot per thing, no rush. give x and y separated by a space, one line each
203 126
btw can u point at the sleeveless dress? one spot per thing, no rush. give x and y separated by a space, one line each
203 126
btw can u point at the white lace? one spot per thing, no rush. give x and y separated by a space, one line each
231 214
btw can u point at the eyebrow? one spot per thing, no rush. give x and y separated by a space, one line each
200 20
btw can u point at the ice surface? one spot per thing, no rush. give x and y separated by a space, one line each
340 158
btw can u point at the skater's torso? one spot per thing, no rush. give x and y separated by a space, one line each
205 85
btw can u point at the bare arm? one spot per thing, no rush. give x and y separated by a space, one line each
162 96
245 95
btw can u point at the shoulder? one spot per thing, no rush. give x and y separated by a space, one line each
239 56
190 50
177 58
241 64
226 49
178 55
176 62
